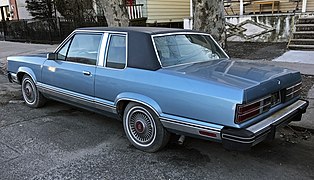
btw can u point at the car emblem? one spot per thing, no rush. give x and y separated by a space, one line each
279 82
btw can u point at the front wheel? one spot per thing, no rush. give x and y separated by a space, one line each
143 128
31 96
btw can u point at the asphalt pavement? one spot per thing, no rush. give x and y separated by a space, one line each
15 48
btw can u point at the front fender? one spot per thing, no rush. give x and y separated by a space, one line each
139 98
27 71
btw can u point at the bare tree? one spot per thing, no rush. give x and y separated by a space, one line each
115 12
40 9
76 10
209 17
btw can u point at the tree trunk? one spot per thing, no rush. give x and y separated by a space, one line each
115 12
208 16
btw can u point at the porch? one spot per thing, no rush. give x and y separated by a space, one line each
249 7
290 21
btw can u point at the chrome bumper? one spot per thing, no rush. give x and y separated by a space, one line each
243 139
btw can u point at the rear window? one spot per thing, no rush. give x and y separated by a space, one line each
186 48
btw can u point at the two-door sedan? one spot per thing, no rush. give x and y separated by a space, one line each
161 81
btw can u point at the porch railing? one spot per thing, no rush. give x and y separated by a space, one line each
135 11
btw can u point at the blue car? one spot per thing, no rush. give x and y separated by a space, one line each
160 81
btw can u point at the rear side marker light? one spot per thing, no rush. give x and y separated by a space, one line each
206 133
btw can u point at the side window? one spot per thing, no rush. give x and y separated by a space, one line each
63 51
116 57
84 48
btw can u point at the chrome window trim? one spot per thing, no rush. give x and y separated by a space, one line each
64 42
182 33
61 45
102 49
71 62
107 47
70 36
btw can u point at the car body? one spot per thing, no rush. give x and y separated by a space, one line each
161 81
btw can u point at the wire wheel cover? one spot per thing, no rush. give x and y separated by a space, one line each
29 91
141 126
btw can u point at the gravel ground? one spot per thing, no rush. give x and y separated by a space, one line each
307 83
256 51
3 67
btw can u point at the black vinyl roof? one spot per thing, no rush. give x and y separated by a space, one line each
141 52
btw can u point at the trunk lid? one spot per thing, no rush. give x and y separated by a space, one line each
255 79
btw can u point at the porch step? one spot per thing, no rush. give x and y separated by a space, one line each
304 27
301 47
304 32
303 36
302 41
306 20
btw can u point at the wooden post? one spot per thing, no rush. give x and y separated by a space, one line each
304 6
131 9
241 8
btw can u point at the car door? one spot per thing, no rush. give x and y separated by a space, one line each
71 76
110 78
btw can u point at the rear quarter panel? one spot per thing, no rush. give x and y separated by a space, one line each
28 64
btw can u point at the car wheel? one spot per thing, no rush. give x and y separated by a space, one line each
31 96
143 128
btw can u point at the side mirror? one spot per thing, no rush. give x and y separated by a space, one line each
52 56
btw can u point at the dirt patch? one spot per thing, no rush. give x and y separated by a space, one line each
3 66
307 84
8 91
294 135
256 50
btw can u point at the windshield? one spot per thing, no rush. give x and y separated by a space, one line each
186 48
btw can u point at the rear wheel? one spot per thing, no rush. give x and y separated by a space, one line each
31 96
143 128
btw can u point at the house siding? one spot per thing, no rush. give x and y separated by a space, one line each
310 6
165 11
285 6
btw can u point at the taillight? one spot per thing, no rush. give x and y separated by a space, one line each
248 111
293 91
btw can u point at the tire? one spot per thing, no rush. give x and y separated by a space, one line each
143 128
31 95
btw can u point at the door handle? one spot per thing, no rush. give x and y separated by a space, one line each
87 73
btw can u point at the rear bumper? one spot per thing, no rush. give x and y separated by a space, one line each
244 139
